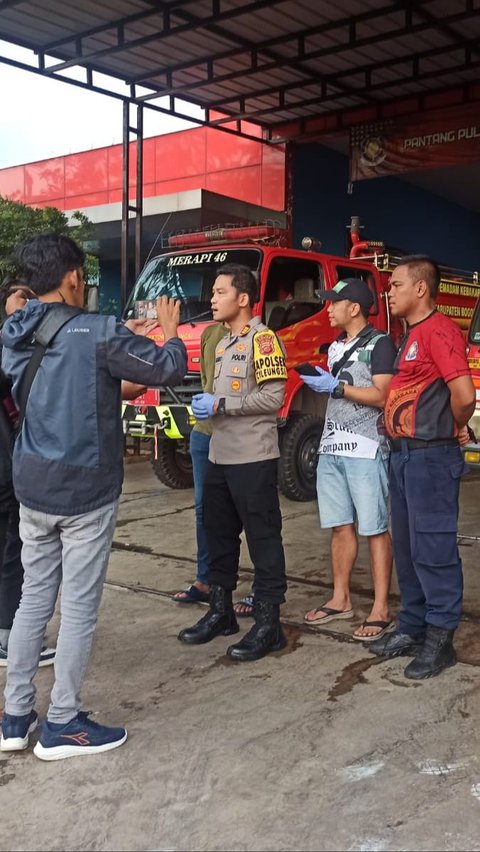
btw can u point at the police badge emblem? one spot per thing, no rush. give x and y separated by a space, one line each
265 343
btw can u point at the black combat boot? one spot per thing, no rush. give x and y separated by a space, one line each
397 645
436 654
265 636
219 621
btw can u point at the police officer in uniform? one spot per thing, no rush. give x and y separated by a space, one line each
240 489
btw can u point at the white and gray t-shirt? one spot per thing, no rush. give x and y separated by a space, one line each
352 429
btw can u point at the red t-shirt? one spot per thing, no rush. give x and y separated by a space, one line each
431 354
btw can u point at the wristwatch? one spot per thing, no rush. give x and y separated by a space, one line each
339 391
221 406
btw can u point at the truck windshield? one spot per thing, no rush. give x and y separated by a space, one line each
474 330
188 276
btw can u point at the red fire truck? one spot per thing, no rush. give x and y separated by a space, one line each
289 280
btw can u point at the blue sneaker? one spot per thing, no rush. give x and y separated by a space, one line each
79 736
16 731
47 657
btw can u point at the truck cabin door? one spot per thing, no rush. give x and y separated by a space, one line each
290 291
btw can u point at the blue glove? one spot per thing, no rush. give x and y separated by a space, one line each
323 383
202 405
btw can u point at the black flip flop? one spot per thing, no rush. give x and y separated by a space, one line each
194 595
386 627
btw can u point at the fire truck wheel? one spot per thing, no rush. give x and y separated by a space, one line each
173 465
297 467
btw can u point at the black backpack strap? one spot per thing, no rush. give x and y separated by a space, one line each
43 335
362 341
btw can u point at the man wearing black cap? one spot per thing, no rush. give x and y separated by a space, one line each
352 478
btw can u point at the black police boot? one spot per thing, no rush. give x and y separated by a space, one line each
436 654
397 645
219 621
265 636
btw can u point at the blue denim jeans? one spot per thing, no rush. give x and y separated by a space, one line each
72 551
199 444
424 492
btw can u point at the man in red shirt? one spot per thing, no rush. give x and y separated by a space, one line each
429 402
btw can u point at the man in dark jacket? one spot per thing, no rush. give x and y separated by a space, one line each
67 474
11 569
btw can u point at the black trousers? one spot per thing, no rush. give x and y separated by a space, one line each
245 496
11 569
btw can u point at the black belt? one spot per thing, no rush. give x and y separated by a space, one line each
397 444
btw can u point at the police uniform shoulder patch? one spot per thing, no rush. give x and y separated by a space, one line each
268 357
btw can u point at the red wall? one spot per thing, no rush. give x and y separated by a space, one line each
202 158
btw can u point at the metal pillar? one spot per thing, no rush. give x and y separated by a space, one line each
139 194
137 207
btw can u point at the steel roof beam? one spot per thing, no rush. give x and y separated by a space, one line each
246 44
211 24
297 84
443 27
92 87
194 24
368 70
331 78
427 75
331 86
285 61
299 35
154 9
415 76
184 91
346 117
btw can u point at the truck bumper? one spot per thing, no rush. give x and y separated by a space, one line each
175 421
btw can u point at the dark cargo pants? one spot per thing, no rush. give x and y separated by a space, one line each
11 569
245 496
424 492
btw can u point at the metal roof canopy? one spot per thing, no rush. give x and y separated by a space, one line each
271 62
263 69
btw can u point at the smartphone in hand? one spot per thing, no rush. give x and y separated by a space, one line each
306 369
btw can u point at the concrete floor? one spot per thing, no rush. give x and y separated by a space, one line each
319 747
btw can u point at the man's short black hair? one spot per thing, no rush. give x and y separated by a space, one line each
43 261
421 267
243 280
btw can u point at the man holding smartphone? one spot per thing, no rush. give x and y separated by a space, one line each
352 476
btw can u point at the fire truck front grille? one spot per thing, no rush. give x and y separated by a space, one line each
183 392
